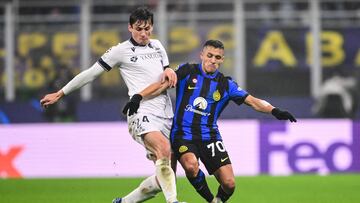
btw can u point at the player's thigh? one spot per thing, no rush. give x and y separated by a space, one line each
142 124
214 155
157 143
188 155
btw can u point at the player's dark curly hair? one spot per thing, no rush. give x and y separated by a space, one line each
214 43
141 14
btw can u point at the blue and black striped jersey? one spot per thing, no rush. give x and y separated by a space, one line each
200 99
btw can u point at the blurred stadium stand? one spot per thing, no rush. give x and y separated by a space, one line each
276 45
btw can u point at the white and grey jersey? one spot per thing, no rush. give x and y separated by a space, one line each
140 66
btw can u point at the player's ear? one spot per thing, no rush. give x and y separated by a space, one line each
129 27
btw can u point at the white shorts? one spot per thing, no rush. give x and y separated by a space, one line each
142 123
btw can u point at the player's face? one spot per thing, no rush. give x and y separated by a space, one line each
211 58
141 31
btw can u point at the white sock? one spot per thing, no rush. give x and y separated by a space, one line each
146 190
166 177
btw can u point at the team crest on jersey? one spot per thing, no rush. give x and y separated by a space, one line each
183 149
194 80
200 103
134 59
217 95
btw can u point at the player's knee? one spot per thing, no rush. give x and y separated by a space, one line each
163 150
163 153
229 185
191 168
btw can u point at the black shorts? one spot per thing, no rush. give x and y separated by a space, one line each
211 153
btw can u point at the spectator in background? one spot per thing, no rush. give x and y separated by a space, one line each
337 98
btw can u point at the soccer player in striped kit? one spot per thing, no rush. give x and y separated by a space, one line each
202 92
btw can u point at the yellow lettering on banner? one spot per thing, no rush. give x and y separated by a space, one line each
225 33
357 59
102 40
34 78
274 47
182 40
3 79
47 65
331 46
65 44
28 41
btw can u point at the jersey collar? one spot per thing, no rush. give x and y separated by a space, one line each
135 43
212 76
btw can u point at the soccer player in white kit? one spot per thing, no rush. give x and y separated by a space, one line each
141 61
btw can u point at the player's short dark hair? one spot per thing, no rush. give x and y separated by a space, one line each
141 14
214 43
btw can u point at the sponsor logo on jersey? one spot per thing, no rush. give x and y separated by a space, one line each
217 95
183 149
191 109
200 103
148 56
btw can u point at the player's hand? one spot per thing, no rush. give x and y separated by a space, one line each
282 115
51 98
170 75
133 105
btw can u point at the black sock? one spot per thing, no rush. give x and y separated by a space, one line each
223 195
201 186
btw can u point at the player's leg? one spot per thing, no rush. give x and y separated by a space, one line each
217 162
159 145
225 177
188 158
147 189
140 124
195 175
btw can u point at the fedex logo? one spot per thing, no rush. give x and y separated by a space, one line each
312 147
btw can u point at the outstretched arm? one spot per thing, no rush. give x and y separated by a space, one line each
265 107
77 82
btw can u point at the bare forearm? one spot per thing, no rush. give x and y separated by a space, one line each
259 104
265 107
154 89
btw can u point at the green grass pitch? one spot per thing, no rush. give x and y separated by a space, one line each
258 189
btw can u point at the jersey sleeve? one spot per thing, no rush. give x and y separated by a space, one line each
110 58
237 94
182 71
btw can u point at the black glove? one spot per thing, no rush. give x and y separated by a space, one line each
133 105
282 115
